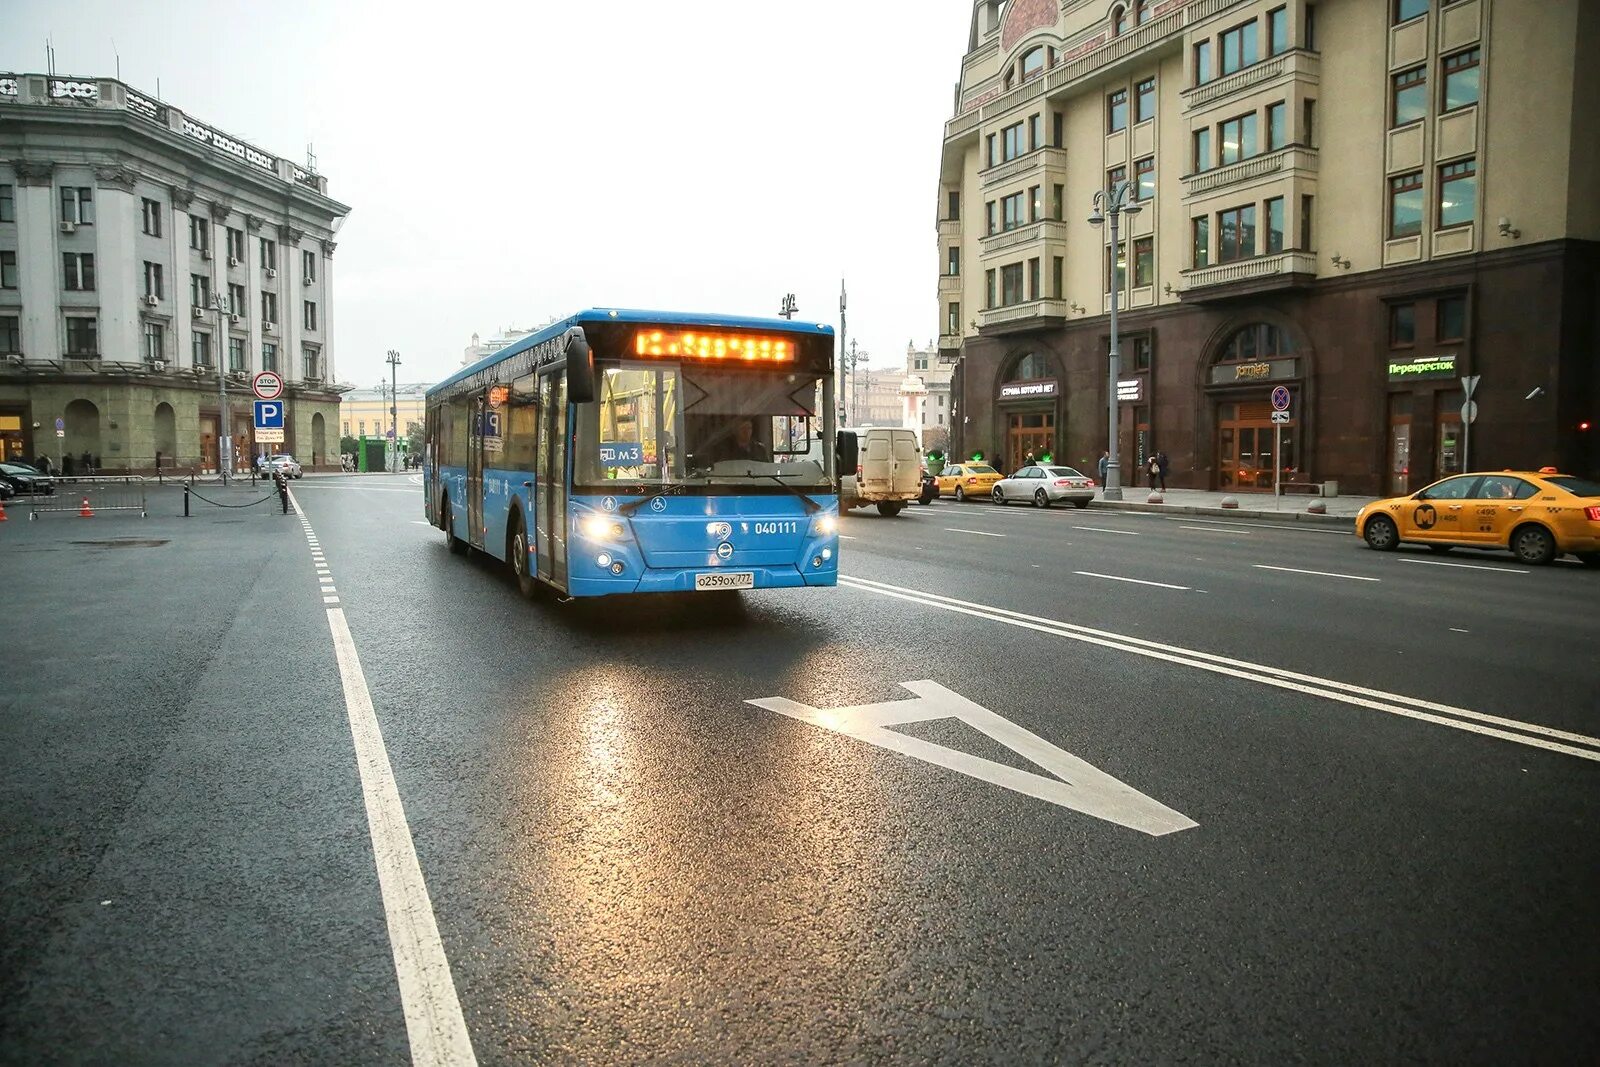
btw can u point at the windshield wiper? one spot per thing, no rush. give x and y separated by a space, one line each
812 507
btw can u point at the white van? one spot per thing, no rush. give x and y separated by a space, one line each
888 470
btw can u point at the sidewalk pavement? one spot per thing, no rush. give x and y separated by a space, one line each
1290 508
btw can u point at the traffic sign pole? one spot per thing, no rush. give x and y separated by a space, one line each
1280 411
1469 411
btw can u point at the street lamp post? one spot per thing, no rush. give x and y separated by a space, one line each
1121 199
224 423
787 306
394 412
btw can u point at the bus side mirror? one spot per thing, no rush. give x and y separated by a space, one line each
580 367
847 450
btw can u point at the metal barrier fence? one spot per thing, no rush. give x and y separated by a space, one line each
89 496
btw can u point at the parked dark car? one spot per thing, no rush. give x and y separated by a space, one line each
930 488
26 480
6 492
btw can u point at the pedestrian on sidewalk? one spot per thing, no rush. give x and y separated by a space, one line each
1154 470
1105 462
1161 468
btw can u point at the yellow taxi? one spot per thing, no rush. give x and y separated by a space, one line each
1537 515
964 480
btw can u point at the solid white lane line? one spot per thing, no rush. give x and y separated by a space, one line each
434 1023
1459 630
1320 574
1287 527
1137 581
980 533
357 489
1217 529
1466 566
1105 529
1331 689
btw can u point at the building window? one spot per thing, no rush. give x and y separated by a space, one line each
1202 63
1277 126
1033 63
155 342
199 291
988 288
1308 124
1238 138
1144 262
1011 142
8 204
77 205
236 354
1458 193
988 210
1255 342
1144 173
309 312
151 214
153 282
1405 205
1011 211
237 299
1277 31
1057 267
1310 24
1201 241
1142 12
952 206
1030 368
308 362
1144 100
990 150
1117 266
269 307
1035 132
952 266
1238 47
1406 10
347 427
1409 96
1236 234
1035 203
361 425
77 270
235 245
269 254
1451 319
1117 111
1402 325
8 270
10 334
1140 348
200 348
1275 222
1116 175
1059 129
952 320
1461 79
269 356
82 338
1033 279
1011 285
1203 160
1306 233
199 234
1119 20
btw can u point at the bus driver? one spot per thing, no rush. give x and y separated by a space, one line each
744 444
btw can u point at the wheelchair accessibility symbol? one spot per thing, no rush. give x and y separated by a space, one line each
658 504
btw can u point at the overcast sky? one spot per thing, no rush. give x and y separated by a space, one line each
510 164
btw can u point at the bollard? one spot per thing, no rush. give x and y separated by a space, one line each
283 495
186 501
1154 498
1229 502
1317 507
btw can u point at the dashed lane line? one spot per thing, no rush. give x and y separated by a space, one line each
1107 529
977 533
1320 574
1466 566
1136 581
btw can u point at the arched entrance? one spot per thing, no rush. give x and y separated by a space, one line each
166 435
82 434
1030 412
319 439
1252 361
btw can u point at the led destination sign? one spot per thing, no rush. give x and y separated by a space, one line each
703 344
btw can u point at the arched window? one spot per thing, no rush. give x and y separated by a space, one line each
1033 63
1142 12
1119 20
1258 341
1029 367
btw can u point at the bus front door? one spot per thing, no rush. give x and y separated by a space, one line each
551 505
475 475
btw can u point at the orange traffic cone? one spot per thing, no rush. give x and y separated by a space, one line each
86 512
3 511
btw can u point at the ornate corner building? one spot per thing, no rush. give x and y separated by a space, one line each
149 266
1365 201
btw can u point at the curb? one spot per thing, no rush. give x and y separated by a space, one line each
1347 521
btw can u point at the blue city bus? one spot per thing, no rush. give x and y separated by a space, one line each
630 452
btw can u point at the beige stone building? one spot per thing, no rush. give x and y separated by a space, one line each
149 265
1363 201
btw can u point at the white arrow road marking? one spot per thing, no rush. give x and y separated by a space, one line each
1077 785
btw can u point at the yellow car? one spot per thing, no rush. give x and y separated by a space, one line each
963 480
1537 515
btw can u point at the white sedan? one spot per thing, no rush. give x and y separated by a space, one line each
1043 486
284 462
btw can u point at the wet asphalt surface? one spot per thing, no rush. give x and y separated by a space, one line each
628 862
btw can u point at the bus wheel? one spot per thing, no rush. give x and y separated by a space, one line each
457 546
527 584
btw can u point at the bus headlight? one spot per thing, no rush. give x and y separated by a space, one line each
599 528
827 524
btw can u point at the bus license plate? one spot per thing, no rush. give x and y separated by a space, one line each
726 580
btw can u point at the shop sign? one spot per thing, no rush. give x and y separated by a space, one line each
1130 390
1260 371
1423 367
1019 390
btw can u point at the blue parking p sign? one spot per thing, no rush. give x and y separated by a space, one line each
269 414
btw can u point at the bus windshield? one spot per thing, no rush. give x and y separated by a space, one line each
659 423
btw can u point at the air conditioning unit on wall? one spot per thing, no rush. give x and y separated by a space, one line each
198 312
272 272
69 227
150 300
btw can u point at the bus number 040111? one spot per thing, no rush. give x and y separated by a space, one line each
777 527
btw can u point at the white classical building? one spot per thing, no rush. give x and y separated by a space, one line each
148 262
932 414
509 335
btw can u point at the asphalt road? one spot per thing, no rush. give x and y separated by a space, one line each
1325 805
